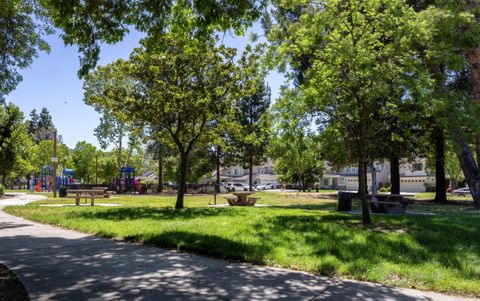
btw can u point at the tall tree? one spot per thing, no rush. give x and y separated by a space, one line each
84 160
251 115
13 139
182 86
33 123
360 48
293 145
112 131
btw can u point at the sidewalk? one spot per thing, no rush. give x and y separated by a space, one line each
58 264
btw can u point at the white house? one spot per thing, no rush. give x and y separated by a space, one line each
413 177
262 174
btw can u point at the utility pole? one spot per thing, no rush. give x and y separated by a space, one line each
55 161
96 169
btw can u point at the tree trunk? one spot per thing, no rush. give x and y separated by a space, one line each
4 180
467 161
217 184
362 168
182 184
119 155
469 167
394 174
250 173
160 171
362 183
440 180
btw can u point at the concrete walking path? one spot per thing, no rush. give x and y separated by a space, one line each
59 264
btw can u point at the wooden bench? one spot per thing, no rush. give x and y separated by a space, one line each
91 194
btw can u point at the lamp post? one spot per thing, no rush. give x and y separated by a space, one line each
55 161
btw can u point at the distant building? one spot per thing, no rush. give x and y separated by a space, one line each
414 177
262 174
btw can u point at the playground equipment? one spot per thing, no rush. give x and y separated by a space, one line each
67 177
46 179
44 182
126 182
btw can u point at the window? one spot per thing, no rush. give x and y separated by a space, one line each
417 167
326 182
235 171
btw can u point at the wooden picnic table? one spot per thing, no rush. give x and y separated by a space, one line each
241 199
91 194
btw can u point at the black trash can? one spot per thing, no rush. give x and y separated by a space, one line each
344 201
62 191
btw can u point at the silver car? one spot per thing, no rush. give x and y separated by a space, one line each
462 191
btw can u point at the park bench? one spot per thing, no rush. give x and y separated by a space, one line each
91 194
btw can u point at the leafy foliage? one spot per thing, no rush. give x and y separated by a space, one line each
14 140
252 119
22 26
87 23
182 86
41 126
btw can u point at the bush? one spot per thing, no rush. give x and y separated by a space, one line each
383 189
2 190
429 186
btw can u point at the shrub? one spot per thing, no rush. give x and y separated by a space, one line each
383 189
429 186
2 190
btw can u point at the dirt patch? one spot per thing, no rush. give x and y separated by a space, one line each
11 289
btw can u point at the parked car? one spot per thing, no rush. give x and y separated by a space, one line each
237 187
462 191
265 186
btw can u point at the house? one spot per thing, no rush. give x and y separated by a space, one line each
414 177
262 174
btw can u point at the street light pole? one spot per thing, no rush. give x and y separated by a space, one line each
96 169
55 161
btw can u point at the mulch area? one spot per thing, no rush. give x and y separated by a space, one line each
11 289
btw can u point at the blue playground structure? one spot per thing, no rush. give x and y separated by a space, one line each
126 182
67 177
45 181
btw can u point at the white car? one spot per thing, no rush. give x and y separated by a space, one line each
462 191
238 187
265 186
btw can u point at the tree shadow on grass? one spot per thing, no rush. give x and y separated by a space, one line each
210 245
326 206
435 240
133 213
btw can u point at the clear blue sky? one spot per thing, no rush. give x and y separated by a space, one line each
52 82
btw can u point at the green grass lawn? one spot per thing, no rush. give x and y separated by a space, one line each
438 252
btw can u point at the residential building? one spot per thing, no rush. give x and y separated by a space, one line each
414 176
262 174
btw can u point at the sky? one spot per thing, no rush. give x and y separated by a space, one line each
52 82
